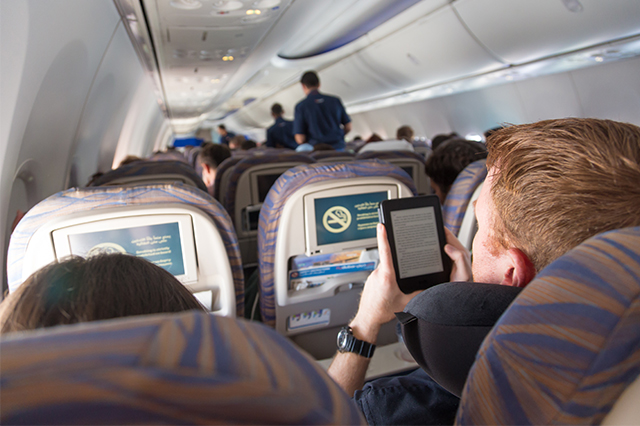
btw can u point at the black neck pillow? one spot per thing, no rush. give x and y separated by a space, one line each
444 326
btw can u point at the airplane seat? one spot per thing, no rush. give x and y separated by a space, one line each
568 347
184 368
249 182
312 266
151 172
172 224
458 211
168 156
411 162
388 145
331 156
422 148
221 182
192 157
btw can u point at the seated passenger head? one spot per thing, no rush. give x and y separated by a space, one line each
236 142
551 185
248 144
276 110
310 81
442 138
97 288
405 132
129 159
222 130
374 138
446 162
210 158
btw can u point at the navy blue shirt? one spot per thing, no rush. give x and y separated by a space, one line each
227 138
281 134
319 117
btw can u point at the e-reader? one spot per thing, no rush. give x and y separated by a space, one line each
415 231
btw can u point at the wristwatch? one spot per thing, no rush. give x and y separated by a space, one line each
348 343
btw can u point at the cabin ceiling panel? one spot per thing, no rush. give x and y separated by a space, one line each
435 49
525 30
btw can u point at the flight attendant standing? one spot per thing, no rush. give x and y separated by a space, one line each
320 118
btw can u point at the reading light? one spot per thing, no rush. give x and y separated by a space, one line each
253 12
227 58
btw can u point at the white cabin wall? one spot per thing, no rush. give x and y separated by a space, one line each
53 86
603 91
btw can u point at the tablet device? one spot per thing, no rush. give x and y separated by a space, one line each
415 232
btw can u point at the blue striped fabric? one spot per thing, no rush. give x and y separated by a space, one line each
85 199
189 368
285 186
388 155
220 171
455 205
568 346
169 156
245 164
325 155
142 168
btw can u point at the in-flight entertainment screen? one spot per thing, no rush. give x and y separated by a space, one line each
159 244
347 217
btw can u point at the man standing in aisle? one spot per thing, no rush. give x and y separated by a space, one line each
280 135
320 118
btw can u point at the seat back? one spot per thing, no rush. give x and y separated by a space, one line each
187 368
458 207
321 215
196 236
151 172
568 346
331 156
249 182
173 155
410 162
222 177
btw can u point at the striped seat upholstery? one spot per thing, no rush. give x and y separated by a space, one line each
386 155
88 199
285 186
188 368
223 168
169 156
245 164
568 346
155 169
327 156
455 206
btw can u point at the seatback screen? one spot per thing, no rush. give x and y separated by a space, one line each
347 217
159 244
265 182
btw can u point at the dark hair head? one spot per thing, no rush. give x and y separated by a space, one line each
222 126
310 79
213 154
97 288
276 109
449 159
129 159
374 138
442 138
248 144
405 133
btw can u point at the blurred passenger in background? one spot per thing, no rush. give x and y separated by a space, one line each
280 135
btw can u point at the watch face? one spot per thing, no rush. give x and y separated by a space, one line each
343 335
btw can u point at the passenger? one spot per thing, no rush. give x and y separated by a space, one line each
100 287
374 138
551 185
280 135
405 133
320 118
129 159
248 144
446 162
441 138
210 158
225 136
235 144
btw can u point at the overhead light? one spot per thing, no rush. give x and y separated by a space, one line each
227 58
598 58
186 4
215 80
253 12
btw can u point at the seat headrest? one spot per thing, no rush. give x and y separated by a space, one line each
457 201
568 346
187 368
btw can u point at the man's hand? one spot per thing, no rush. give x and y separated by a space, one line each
461 270
381 296
300 138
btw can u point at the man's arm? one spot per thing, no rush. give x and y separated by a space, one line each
300 138
381 298
347 128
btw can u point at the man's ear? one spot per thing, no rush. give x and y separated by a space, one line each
521 271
